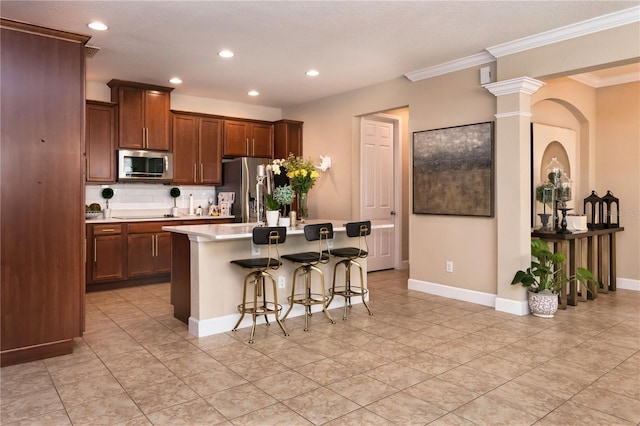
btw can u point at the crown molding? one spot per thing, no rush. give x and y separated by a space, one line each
451 66
597 82
525 85
579 29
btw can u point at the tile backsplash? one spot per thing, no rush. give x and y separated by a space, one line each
130 196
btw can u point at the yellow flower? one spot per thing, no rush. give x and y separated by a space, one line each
314 174
290 175
303 172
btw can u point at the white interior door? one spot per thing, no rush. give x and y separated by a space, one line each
378 189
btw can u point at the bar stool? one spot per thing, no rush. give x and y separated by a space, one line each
308 260
349 255
271 236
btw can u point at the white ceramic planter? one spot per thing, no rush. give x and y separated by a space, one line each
544 304
272 217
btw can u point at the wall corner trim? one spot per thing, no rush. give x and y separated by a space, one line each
451 66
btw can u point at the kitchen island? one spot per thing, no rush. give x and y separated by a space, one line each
206 288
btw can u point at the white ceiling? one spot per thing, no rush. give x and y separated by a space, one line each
353 44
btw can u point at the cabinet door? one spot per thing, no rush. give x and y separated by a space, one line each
140 253
107 258
185 148
162 258
210 151
156 115
100 142
261 140
131 132
236 139
287 139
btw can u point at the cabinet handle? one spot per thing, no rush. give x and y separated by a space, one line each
95 251
153 246
201 173
146 138
195 172
109 230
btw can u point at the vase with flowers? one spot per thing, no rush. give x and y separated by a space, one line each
302 176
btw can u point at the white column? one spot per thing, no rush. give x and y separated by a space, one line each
513 187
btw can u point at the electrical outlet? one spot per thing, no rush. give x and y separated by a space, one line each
255 250
281 281
449 266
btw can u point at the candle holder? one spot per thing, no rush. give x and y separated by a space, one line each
563 224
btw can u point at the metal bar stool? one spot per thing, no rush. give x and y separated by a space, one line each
271 236
349 255
308 260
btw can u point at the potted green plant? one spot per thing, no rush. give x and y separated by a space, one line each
285 196
545 278
175 193
107 194
273 210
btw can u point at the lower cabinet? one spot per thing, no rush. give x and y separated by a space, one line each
107 254
148 249
128 254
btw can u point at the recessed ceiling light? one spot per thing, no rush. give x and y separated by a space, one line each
98 26
175 80
313 73
253 93
225 54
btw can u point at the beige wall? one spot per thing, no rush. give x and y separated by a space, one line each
455 99
617 166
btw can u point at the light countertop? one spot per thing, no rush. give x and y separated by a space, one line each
236 231
117 218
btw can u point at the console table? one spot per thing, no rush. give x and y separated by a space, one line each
605 241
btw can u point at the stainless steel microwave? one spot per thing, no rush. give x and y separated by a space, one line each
145 166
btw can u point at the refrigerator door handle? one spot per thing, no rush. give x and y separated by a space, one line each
245 189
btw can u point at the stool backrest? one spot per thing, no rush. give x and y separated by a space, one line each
321 232
271 235
361 230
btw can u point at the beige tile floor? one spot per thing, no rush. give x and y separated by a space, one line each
420 359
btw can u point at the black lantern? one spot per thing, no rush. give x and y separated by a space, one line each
595 212
612 210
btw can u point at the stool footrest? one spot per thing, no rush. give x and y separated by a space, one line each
348 291
270 308
311 299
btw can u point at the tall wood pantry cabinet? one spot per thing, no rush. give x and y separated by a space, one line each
42 191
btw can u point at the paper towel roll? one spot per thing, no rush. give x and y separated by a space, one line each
191 209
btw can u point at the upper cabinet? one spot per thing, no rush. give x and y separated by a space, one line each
143 115
287 138
100 141
197 149
247 139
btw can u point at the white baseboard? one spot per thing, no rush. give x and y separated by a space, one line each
472 296
208 327
628 284
510 306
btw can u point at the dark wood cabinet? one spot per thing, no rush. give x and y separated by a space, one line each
100 141
148 249
143 115
197 149
287 138
106 250
247 139
42 168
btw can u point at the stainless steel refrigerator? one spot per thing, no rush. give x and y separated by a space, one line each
239 175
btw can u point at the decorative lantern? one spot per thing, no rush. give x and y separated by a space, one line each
612 210
595 211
